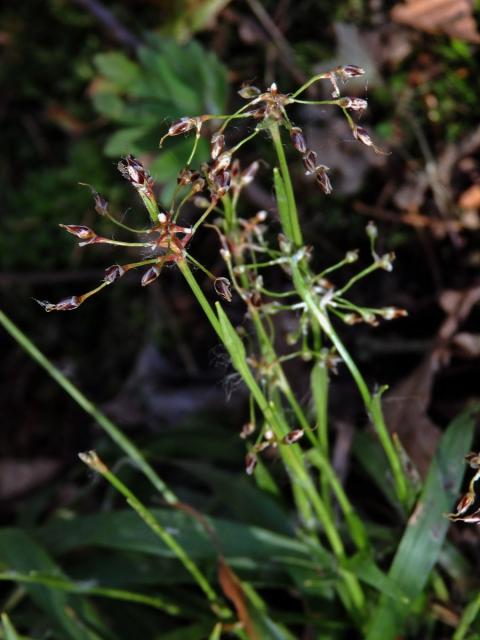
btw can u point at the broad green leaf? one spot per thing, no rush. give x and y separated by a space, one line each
118 68
423 538
123 530
124 141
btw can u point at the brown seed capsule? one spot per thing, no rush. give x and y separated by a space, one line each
293 436
134 171
223 288
248 92
113 273
361 134
84 233
322 179
185 177
150 276
182 126
298 141
310 162
67 304
221 183
250 463
218 144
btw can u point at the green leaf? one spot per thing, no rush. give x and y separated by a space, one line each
123 530
118 68
19 552
424 535
282 203
9 629
124 141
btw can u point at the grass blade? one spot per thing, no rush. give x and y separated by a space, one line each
424 535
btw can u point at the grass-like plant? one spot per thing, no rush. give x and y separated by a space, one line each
333 566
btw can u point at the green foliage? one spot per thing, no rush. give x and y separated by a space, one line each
166 82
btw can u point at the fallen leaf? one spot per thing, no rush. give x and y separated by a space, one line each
452 17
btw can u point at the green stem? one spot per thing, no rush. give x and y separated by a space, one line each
105 423
92 460
372 404
62 584
292 205
200 296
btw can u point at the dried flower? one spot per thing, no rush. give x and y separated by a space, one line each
67 304
349 71
247 430
182 126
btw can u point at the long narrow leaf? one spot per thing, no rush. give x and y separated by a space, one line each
424 536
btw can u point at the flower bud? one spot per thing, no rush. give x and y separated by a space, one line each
298 141
134 171
182 126
248 92
310 162
273 89
185 176
222 162
198 185
391 313
355 104
386 261
150 275
218 144
371 230
351 256
322 179
223 288
113 273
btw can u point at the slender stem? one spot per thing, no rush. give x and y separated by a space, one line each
200 296
92 460
62 584
292 206
105 423
204 215
372 404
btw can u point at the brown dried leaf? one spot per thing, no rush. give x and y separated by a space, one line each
233 590
453 17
